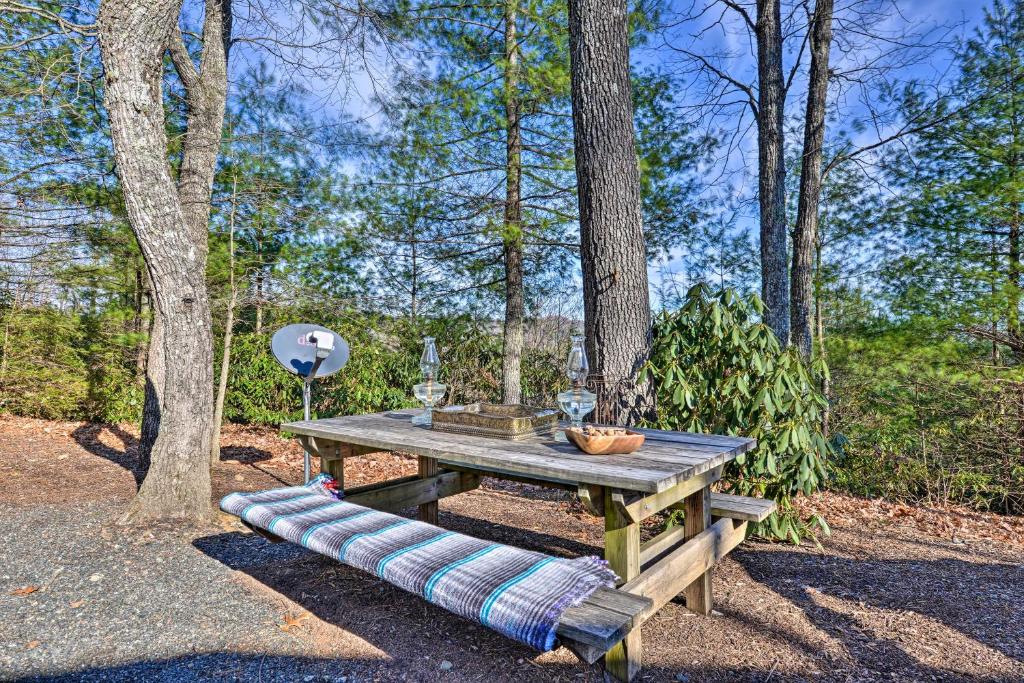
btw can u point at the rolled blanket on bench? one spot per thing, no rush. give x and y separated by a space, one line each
519 593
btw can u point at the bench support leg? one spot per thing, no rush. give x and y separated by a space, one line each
622 551
428 468
332 461
697 508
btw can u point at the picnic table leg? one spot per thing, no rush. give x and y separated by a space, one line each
332 461
428 468
622 551
697 508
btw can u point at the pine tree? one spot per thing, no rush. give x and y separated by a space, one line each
964 183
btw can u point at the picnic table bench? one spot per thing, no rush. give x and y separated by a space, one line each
671 470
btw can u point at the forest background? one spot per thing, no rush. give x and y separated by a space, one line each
366 189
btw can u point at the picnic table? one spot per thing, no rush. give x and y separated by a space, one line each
671 470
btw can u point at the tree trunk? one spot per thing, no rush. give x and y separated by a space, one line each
206 91
819 318
806 231
206 96
771 186
152 392
229 322
617 315
259 297
133 35
512 351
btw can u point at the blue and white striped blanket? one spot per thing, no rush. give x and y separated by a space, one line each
519 593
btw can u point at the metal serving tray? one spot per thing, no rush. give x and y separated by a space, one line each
497 421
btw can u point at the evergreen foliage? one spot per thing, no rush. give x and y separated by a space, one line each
718 369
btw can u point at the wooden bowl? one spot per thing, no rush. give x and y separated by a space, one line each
606 445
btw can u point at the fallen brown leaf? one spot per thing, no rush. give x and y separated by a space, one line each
32 644
76 604
25 590
292 622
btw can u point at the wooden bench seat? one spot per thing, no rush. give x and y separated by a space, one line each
588 629
591 628
742 508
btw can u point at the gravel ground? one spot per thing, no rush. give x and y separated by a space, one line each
84 600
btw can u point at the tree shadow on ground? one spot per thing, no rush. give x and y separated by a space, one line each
88 437
224 666
236 666
245 455
127 456
977 600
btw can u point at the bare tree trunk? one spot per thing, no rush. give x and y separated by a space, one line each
206 95
133 35
771 97
206 89
806 231
229 322
515 309
414 302
819 318
259 296
152 392
616 302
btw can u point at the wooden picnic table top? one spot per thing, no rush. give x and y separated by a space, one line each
666 458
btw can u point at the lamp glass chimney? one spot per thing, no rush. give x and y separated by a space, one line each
429 362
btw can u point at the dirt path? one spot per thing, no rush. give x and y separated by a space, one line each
897 593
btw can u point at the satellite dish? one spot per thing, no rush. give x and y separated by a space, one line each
296 348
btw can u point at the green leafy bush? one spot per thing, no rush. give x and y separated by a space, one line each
716 368
920 416
42 370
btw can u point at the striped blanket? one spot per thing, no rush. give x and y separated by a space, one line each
519 593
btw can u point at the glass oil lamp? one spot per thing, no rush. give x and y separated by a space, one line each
576 402
429 391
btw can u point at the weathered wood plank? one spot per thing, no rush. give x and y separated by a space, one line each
663 542
332 461
355 490
666 578
592 499
697 511
327 448
508 476
552 462
622 551
725 505
741 507
599 622
639 508
404 494
658 465
428 470
695 439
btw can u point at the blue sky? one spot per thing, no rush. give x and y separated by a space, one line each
734 178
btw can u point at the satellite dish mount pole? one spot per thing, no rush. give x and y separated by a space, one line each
323 348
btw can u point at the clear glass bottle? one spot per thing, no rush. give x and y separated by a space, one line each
429 392
577 402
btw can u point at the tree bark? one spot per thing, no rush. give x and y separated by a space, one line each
133 36
206 97
512 351
206 89
771 96
819 318
806 232
617 315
